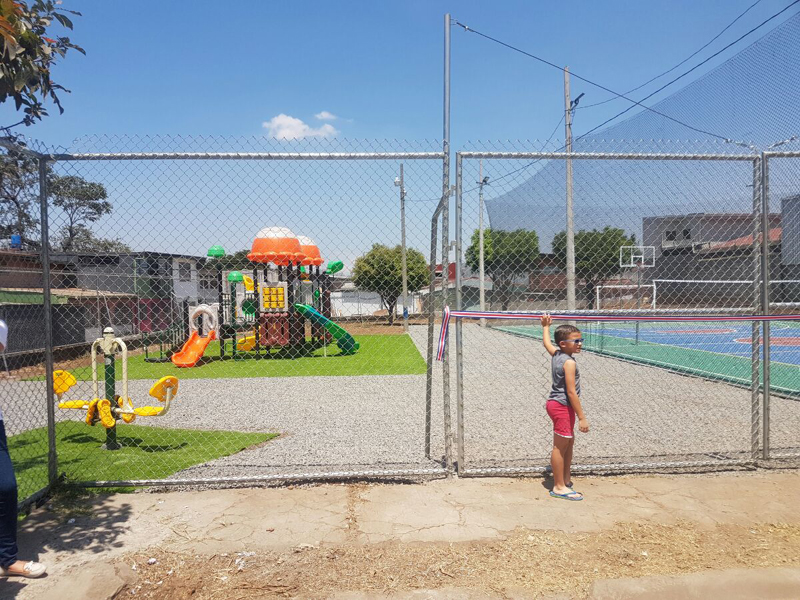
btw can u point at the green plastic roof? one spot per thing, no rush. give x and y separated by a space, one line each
216 252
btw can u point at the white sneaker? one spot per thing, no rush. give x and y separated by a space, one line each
30 569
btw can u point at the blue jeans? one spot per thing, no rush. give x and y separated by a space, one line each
8 505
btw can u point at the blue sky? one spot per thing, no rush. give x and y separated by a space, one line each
348 70
206 67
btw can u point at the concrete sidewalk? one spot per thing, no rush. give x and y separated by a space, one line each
466 510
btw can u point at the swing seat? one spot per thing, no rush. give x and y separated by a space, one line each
160 387
104 412
127 406
62 381
159 391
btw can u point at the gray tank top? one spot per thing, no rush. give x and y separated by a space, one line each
559 390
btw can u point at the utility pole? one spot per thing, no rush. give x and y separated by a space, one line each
401 183
570 224
481 274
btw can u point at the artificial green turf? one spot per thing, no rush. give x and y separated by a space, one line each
378 355
146 453
784 378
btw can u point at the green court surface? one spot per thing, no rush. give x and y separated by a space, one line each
146 453
714 350
377 355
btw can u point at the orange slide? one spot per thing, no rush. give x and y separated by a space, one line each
193 349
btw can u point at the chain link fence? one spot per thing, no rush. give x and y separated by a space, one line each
644 233
267 327
270 302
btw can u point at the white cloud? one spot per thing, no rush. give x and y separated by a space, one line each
291 128
325 116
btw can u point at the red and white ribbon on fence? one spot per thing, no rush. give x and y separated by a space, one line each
608 318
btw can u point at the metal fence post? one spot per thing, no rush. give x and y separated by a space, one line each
765 279
431 325
448 449
459 324
755 355
52 457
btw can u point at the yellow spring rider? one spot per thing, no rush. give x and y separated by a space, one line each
107 410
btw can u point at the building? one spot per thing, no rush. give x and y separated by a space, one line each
134 292
711 260
677 240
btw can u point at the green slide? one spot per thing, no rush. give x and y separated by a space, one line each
346 342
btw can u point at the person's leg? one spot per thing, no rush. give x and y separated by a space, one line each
568 453
8 505
557 462
8 518
568 463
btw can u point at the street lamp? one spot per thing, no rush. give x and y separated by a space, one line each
399 182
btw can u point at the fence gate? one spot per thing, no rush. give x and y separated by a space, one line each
657 394
782 338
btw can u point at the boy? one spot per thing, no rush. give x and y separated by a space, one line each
564 403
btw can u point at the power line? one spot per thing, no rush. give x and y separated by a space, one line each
589 81
616 94
684 61
532 163
740 38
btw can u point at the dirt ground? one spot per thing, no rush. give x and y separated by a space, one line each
457 538
527 563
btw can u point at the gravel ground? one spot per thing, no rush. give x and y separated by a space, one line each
636 412
377 422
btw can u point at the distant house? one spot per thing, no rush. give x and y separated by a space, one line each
691 251
678 240
549 279
134 292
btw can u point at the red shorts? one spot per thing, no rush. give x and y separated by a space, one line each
563 419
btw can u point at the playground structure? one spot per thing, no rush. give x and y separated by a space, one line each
110 408
203 318
254 315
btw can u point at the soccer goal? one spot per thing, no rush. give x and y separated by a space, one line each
723 293
629 296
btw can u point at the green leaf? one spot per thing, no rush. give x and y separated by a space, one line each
63 19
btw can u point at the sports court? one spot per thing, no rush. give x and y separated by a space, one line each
717 350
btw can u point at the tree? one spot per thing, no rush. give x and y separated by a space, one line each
19 197
237 261
82 240
381 271
508 255
29 51
596 255
82 202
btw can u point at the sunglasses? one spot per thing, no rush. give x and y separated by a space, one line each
576 341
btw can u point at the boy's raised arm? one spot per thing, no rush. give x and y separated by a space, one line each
546 321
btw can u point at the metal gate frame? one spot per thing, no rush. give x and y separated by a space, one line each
759 408
767 453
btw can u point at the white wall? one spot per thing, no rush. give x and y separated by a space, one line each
351 303
185 289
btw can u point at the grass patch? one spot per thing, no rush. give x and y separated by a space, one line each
146 453
378 355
